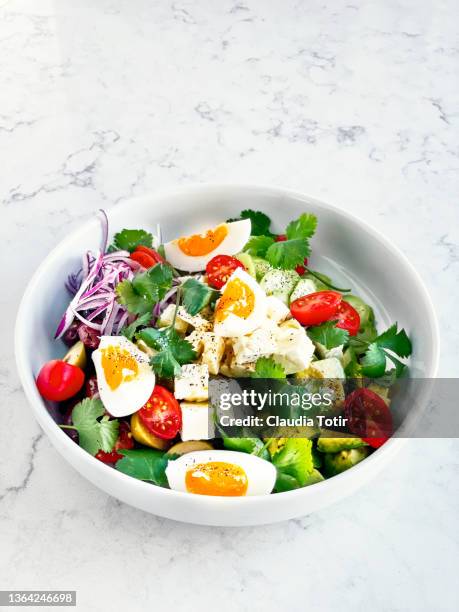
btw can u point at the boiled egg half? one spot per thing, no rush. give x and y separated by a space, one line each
221 472
124 376
193 253
242 306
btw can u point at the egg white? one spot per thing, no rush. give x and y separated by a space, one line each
236 238
261 475
233 326
131 395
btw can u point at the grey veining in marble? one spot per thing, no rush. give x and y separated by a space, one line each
356 103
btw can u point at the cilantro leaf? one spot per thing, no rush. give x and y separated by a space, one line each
258 245
129 330
94 435
295 459
145 464
399 366
328 334
266 367
304 227
288 254
196 295
396 341
374 361
146 289
260 222
173 351
130 239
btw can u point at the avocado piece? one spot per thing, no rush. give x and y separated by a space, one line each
333 443
304 286
262 267
280 283
76 355
247 261
335 463
365 311
313 477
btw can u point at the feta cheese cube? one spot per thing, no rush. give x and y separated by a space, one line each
212 353
192 384
167 316
197 421
328 368
277 311
294 349
260 343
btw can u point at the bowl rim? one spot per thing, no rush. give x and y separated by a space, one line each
65 444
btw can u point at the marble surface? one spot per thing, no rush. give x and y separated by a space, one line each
352 102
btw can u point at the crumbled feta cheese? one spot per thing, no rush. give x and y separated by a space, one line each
294 349
260 343
328 368
277 311
197 421
192 384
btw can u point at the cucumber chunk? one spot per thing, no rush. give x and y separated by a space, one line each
365 311
335 463
262 267
280 283
304 286
247 261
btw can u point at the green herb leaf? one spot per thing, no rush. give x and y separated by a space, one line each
145 464
396 341
288 254
174 351
399 366
295 459
130 239
129 330
94 435
258 245
285 482
328 334
374 361
146 289
266 367
197 295
304 227
260 222
252 446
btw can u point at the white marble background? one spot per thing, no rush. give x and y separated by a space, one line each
353 102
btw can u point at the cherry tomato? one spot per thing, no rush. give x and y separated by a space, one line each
348 318
146 257
58 381
375 436
368 415
125 441
280 238
302 269
316 308
220 268
161 415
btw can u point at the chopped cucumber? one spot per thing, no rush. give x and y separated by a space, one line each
335 444
319 286
247 261
280 283
304 286
335 463
365 311
262 267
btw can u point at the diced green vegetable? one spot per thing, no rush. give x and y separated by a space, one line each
247 261
365 311
335 463
304 286
280 283
334 444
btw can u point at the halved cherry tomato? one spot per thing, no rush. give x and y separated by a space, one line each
220 268
368 415
375 436
146 257
316 308
348 318
161 414
125 441
58 381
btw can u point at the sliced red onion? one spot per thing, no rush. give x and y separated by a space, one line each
104 223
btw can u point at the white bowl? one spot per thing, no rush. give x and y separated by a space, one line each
345 247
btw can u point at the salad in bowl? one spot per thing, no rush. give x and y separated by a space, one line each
150 323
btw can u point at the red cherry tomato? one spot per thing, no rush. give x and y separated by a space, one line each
146 257
161 415
375 436
281 238
316 308
124 441
368 415
220 268
302 269
348 318
58 381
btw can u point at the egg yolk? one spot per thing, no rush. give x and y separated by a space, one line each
237 299
216 478
203 244
119 366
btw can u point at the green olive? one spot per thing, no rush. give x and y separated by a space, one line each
335 463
